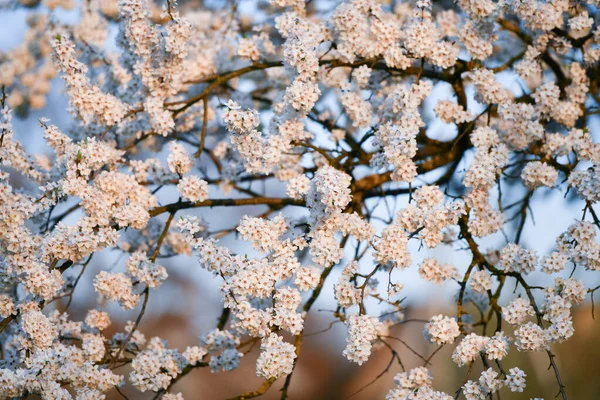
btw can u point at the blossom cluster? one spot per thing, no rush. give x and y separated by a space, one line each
356 145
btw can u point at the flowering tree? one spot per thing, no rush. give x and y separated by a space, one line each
340 103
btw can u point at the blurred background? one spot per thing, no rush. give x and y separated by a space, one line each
189 303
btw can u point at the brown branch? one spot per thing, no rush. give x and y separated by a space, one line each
134 328
382 373
186 370
262 389
162 236
269 201
408 347
478 257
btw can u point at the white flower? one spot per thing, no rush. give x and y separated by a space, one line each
276 358
441 330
